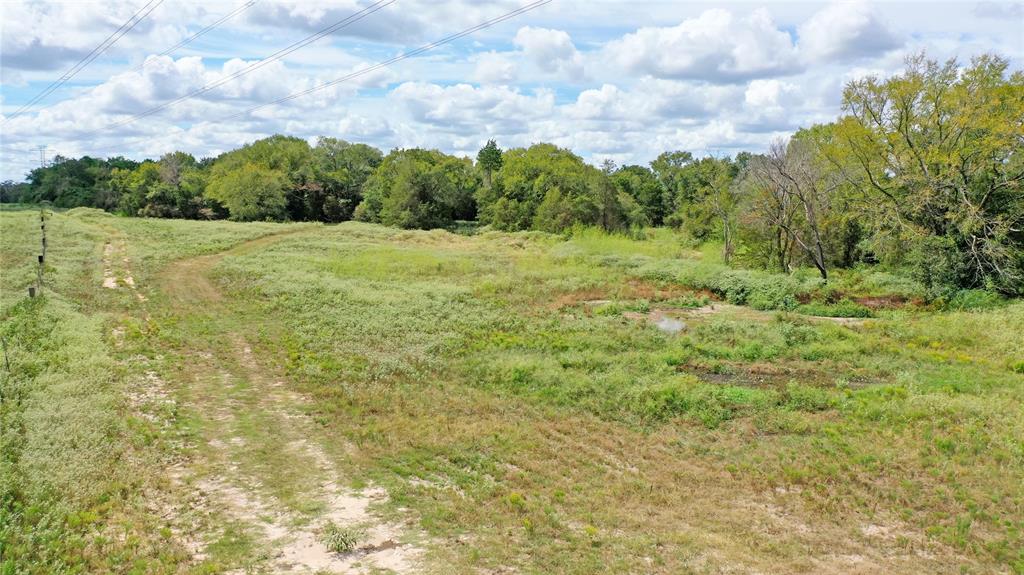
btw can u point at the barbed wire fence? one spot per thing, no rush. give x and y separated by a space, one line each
42 255
35 290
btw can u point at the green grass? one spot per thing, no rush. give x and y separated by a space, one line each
379 326
74 464
524 427
71 476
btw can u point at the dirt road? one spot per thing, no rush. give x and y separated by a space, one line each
259 487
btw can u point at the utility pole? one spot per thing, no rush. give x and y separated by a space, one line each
42 156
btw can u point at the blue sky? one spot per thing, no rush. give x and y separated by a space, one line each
620 80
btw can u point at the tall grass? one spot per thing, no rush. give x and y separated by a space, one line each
478 381
373 322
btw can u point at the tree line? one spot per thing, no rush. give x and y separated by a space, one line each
922 170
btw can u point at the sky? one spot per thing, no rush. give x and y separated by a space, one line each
620 80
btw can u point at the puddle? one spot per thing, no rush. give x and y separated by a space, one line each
669 325
660 319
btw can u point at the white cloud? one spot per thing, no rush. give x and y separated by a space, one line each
653 101
772 105
626 81
551 50
770 94
87 123
494 68
463 108
404 22
607 103
999 10
53 35
845 31
714 47
690 101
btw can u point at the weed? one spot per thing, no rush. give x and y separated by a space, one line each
438 355
965 300
843 308
341 539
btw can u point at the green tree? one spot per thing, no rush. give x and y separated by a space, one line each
489 160
669 169
641 184
419 188
707 198
339 171
133 186
12 192
548 188
937 153
288 157
251 192
68 182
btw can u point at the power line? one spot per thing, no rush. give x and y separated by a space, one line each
400 57
188 40
205 30
405 55
96 52
376 6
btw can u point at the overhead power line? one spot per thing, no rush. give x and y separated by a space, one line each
376 6
96 52
400 57
190 39
363 71
203 32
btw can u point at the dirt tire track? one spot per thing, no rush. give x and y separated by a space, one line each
235 494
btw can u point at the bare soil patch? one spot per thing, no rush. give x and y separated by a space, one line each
293 539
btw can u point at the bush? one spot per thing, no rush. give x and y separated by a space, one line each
773 292
843 308
937 262
759 290
974 299
688 301
868 281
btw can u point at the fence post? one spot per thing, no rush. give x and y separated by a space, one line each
7 362
42 256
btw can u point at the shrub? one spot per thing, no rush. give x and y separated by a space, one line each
939 265
843 308
758 289
688 301
974 299
773 292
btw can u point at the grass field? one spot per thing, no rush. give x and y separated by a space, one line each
258 397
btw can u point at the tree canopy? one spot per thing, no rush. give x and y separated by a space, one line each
419 188
922 170
548 188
